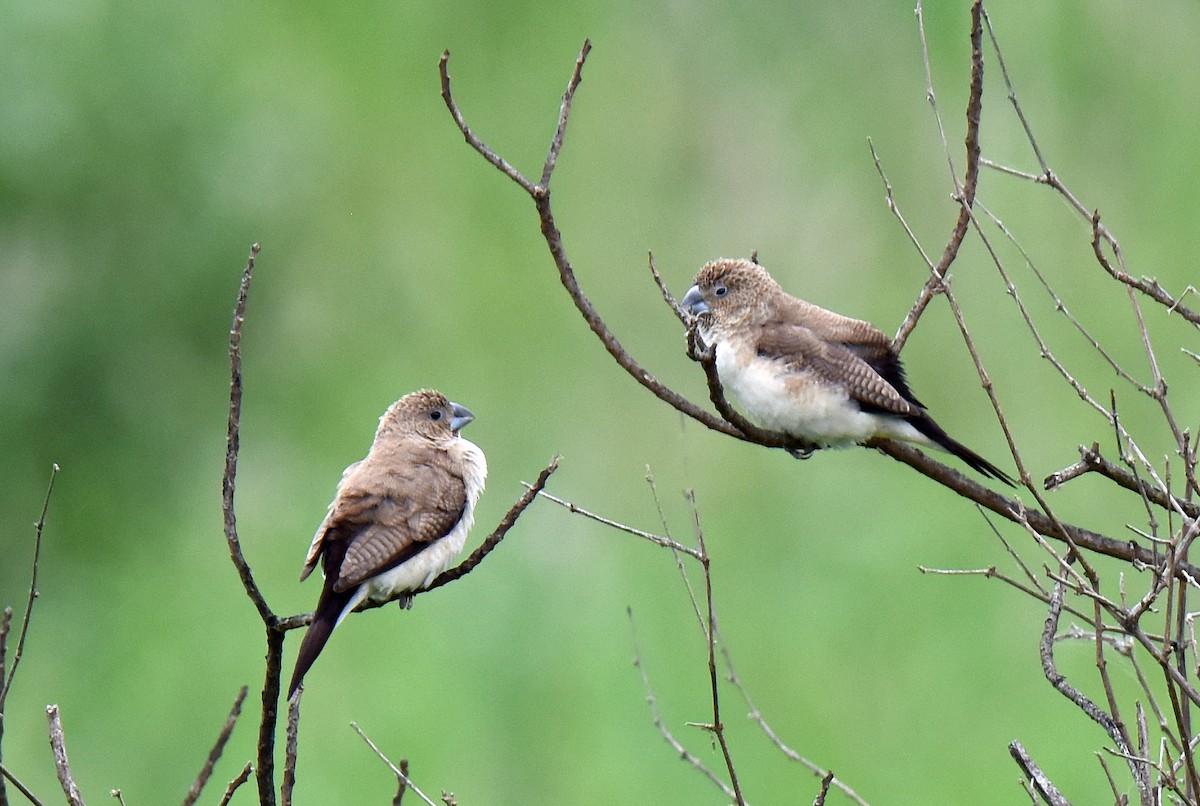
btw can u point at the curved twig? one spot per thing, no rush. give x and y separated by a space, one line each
218 747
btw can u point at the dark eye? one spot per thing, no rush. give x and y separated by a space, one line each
435 415
720 291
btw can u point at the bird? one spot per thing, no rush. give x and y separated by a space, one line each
813 374
399 517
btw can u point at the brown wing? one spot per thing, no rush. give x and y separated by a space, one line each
852 365
392 508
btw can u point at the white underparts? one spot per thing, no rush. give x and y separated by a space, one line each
804 404
417 572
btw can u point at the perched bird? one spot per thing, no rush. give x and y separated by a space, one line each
808 372
399 517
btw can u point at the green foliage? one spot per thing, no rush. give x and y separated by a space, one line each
143 148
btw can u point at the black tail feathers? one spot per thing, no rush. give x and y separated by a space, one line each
929 428
325 618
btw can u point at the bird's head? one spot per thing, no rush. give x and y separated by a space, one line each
425 413
730 292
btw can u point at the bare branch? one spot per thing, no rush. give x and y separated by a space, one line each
964 193
1114 729
291 749
33 594
757 717
6 774
656 714
401 775
1040 781
541 198
274 657
206 771
401 783
716 727
658 540
493 540
58 744
265 772
242 777
232 444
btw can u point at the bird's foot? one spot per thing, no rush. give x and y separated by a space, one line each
405 600
801 453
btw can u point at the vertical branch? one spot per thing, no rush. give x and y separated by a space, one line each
8 673
233 443
58 743
717 727
964 193
265 771
33 594
293 735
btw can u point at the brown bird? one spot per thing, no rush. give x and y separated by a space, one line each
399 517
808 372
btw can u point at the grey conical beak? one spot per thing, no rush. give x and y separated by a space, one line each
461 416
693 301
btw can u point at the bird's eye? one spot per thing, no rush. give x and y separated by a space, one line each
435 415
720 291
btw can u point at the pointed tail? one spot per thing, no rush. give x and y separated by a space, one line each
929 428
325 618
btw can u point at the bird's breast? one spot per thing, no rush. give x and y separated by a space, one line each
797 402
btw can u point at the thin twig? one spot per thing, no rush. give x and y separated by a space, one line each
242 777
233 442
757 717
825 784
679 563
265 769
658 540
33 593
541 197
1039 780
716 727
964 193
291 749
401 783
219 747
58 743
399 773
1115 730
6 774
493 540
1037 520
656 715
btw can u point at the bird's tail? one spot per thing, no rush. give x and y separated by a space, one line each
929 428
329 610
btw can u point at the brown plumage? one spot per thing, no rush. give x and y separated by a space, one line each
400 516
808 372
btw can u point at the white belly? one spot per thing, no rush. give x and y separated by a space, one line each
804 405
416 573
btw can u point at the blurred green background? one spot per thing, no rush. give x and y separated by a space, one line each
144 147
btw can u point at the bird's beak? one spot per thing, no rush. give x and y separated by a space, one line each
693 301
461 416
